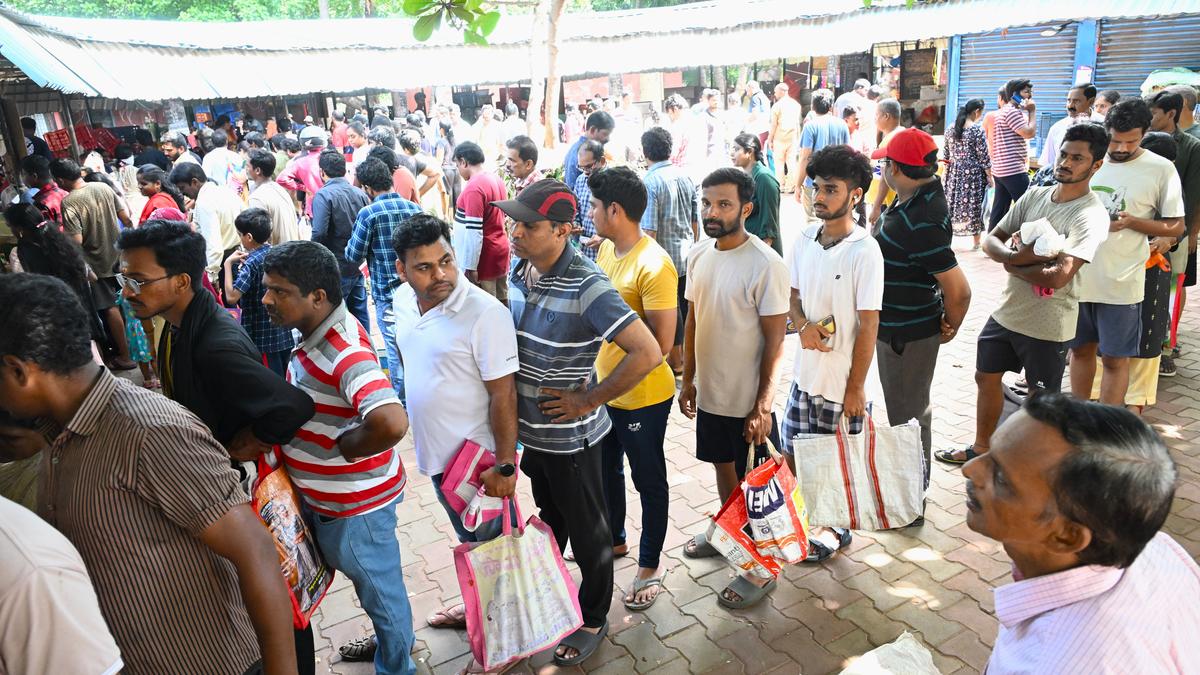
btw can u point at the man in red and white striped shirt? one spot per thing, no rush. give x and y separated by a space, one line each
1012 127
1077 492
344 461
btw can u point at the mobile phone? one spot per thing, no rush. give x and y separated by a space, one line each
828 324
1017 100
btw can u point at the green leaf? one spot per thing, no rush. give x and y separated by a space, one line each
424 27
417 7
462 14
486 23
472 5
470 37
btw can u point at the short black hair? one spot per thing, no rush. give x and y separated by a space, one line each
841 162
821 103
593 148
222 120
177 249
1016 86
38 167
188 172
220 139
374 174
176 139
526 149
291 144
45 323
1091 133
751 144
332 162
409 140
1118 481
307 264
921 171
468 152
1110 95
263 161
66 169
1127 115
358 128
1089 90
255 222
600 120
619 185
1162 144
656 144
421 229
256 139
143 136
1168 102
382 136
29 123
388 156
731 176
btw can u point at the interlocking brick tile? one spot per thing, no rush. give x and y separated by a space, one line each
880 591
967 647
756 656
933 627
824 625
879 627
832 592
647 650
701 652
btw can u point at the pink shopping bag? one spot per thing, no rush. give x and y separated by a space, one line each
463 488
519 597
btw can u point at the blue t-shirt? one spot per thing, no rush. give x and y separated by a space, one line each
823 131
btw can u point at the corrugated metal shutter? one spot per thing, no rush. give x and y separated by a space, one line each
988 60
1131 48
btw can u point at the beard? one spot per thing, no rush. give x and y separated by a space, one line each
833 215
717 228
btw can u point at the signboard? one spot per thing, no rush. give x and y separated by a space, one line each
853 66
916 71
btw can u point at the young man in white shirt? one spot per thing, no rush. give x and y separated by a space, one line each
459 342
733 340
1144 199
837 293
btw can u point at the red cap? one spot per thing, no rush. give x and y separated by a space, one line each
910 146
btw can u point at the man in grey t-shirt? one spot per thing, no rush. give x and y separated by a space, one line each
1040 304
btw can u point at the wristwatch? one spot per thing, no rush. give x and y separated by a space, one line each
508 469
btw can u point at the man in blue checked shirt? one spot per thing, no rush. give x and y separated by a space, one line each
371 240
591 160
246 290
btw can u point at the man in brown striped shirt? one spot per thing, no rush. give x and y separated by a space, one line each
187 577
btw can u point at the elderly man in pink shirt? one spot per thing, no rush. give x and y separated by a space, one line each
304 174
1077 492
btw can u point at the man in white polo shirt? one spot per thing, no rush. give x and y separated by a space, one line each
459 342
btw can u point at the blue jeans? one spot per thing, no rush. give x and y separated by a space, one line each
387 328
485 532
354 292
365 549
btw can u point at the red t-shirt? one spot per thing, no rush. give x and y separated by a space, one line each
474 206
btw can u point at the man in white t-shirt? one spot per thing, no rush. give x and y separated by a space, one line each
837 293
460 344
733 340
1144 199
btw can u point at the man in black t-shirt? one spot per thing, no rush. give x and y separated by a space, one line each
925 293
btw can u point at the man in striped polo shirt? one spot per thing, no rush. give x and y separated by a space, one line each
343 461
1014 124
570 308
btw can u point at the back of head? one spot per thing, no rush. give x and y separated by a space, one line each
969 108
338 116
28 124
308 265
656 144
374 174
410 141
220 139
511 110
526 149
414 120
263 161
331 162
862 85
312 137
874 92
420 230
46 324
600 121
386 155
256 139
177 248
66 170
469 152
619 185
187 172
729 175
1127 115
1162 144
675 102
1118 481
144 137
593 148
38 167
222 120
381 120
1091 133
255 222
283 123
1169 103
24 217
891 108
821 102
1187 91
384 136
1015 86
1111 95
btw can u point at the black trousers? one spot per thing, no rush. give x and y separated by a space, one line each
569 493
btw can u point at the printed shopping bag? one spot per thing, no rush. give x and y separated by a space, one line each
307 575
519 597
463 489
867 481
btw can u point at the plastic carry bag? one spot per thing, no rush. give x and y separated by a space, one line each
307 574
903 656
463 489
867 481
519 597
764 524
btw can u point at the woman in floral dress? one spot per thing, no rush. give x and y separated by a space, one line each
968 173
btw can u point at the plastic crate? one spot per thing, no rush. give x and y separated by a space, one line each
58 140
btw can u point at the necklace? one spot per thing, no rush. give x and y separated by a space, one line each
835 242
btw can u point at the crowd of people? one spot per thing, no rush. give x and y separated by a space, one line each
557 323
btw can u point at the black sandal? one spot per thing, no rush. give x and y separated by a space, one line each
819 552
585 643
360 649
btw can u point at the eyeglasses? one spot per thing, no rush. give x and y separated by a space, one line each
134 286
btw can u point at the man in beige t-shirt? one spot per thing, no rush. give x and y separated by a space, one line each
782 136
52 621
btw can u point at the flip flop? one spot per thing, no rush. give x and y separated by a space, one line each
700 547
819 552
641 585
751 594
444 618
948 457
583 642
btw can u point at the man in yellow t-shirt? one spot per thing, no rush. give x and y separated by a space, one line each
642 272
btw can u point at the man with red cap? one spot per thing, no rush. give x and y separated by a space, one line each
565 307
925 293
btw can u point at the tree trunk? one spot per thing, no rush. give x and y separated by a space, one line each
553 85
323 8
616 86
537 71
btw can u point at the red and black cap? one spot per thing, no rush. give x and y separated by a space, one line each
547 199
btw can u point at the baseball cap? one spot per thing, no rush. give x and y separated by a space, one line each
312 136
547 199
910 146
308 119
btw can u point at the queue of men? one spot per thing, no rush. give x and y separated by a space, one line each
560 363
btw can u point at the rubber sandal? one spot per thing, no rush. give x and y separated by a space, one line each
700 548
444 618
569 555
583 642
641 585
948 457
750 593
360 649
819 552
